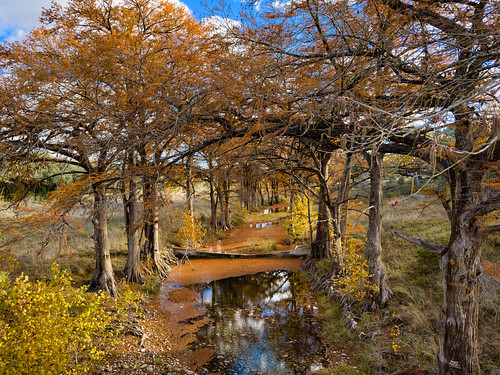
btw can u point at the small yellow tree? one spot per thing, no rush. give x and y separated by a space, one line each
353 280
191 232
297 222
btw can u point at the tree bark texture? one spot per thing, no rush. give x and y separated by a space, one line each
132 268
373 248
151 229
227 208
460 271
189 186
103 278
213 205
321 247
343 197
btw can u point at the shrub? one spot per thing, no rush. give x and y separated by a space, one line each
297 222
50 327
353 280
191 232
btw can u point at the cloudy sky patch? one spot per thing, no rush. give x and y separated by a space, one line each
17 18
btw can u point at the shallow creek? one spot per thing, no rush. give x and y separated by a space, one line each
242 316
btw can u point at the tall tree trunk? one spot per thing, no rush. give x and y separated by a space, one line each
274 191
103 278
213 199
132 268
321 247
245 189
220 198
227 210
460 268
151 228
269 196
189 186
213 204
261 195
309 220
373 248
343 197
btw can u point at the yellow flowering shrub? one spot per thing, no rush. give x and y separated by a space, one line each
191 232
50 327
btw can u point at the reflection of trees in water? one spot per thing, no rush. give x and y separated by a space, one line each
261 323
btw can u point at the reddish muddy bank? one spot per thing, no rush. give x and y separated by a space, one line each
258 234
175 315
180 304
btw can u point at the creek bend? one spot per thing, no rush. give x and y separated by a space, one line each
242 316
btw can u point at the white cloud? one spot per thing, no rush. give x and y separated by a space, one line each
17 18
221 25
181 5
23 14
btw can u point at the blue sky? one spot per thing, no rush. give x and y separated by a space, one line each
18 17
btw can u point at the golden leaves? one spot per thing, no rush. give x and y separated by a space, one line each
297 223
49 327
191 231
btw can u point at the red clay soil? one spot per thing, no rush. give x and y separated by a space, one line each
163 350
246 238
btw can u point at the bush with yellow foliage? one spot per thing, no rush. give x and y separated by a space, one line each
191 232
297 222
50 327
353 280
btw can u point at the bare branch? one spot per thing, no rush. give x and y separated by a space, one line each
420 242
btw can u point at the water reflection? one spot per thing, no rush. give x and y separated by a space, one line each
275 209
263 225
261 324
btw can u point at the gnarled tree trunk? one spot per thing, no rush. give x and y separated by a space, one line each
132 268
343 197
460 268
227 209
321 247
103 278
373 248
151 228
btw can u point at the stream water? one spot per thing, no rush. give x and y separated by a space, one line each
259 324
243 316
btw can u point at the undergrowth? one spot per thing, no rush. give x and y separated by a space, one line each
401 336
50 327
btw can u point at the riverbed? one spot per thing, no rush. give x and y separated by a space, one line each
242 316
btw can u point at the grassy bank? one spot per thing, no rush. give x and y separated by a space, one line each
401 336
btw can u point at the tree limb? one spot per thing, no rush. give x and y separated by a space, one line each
492 229
420 242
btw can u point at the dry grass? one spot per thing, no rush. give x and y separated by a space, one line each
73 247
413 275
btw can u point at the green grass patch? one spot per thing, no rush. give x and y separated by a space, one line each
261 247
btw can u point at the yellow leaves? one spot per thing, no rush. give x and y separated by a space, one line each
297 222
191 231
353 279
45 326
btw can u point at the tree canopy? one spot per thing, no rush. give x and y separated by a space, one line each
126 93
